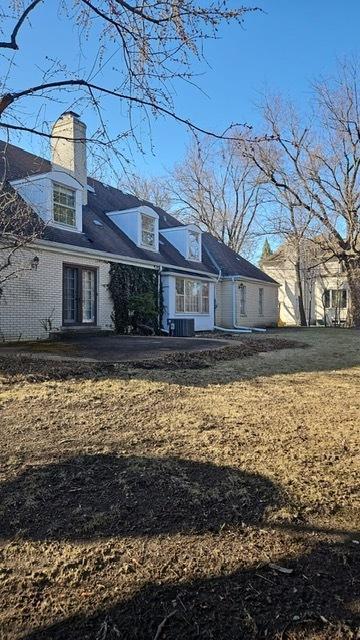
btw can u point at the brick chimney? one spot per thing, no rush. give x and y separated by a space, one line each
70 154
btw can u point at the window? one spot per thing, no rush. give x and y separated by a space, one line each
335 298
148 231
191 296
194 245
242 298
180 295
326 298
261 301
64 205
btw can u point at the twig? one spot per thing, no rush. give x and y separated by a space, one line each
163 623
12 44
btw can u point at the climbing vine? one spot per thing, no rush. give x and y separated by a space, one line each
137 297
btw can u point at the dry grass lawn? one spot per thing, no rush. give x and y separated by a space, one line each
155 504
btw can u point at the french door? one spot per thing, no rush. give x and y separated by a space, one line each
79 295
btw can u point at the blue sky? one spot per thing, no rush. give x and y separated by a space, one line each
280 50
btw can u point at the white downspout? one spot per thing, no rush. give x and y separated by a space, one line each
245 330
237 326
162 329
233 302
237 330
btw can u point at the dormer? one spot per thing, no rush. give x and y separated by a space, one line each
186 239
59 195
140 224
56 197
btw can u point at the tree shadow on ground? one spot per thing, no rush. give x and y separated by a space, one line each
315 599
97 496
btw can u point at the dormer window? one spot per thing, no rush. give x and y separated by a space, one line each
186 239
140 224
64 205
194 245
148 230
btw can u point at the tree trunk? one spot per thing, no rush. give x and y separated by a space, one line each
352 268
303 322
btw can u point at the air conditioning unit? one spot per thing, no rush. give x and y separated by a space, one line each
182 327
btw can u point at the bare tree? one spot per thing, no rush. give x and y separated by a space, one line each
19 228
316 166
295 226
216 189
144 47
151 189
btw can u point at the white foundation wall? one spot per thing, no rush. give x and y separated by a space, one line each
203 322
36 295
252 317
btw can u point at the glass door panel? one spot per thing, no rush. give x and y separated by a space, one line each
70 295
88 296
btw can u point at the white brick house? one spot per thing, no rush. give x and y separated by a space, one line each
90 225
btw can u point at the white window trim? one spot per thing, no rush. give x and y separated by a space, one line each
331 298
261 301
193 313
144 245
189 257
63 225
242 288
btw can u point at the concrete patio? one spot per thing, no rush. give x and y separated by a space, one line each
110 348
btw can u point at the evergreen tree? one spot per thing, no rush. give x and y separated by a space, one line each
266 251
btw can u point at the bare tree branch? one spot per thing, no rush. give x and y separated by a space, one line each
12 43
314 169
219 191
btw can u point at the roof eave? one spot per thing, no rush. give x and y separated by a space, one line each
248 278
113 257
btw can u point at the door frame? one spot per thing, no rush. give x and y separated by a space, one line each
80 268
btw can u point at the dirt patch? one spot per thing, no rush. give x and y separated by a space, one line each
16 368
216 503
204 359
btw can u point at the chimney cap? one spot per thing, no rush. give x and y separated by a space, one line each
70 113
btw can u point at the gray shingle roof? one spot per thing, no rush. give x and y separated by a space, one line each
229 262
107 237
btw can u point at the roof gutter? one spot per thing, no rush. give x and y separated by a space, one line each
248 279
111 257
204 276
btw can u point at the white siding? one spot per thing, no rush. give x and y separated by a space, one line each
203 322
35 295
251 318
314 283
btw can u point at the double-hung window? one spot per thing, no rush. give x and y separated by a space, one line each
193 245
148 227
64 205
335 299
261 301
242 299
191 296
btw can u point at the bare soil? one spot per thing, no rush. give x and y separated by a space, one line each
212 496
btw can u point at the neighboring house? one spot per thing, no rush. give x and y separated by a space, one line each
90 225
323 282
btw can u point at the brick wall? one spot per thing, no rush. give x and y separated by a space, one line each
35 295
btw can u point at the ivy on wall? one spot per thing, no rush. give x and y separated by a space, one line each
137 297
